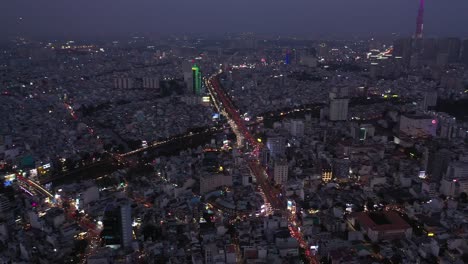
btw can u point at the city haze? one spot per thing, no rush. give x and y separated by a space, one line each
315 18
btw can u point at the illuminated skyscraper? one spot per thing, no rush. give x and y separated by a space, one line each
117 223
276 145
197 80
287 58
420 21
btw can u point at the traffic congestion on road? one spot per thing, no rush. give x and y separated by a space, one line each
272 195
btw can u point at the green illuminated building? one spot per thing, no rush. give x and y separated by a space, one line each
197 80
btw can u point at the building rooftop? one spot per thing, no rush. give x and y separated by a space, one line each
381 221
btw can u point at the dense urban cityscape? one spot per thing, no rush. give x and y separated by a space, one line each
240 148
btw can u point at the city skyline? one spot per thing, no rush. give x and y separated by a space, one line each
330 19
319 132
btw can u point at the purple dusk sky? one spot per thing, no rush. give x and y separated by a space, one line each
90 18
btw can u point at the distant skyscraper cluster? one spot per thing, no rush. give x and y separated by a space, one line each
431 51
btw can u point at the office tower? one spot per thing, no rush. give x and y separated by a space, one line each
323 51
280 171
429 51
456 179
454 49
276 145
287 57
339 109
297 128
197 80
126 224
295 57
402 50
430 99
447 126
374 70
117 224
188 76
123 83
464 55
112 232
339 92
457 170
265 155
451 47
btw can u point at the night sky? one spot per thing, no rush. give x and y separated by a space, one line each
317 18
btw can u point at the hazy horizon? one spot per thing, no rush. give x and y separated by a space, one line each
313 18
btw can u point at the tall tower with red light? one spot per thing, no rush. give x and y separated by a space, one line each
420 21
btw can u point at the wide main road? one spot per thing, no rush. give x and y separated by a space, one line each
272 196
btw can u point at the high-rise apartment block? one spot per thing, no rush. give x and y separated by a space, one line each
339 109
